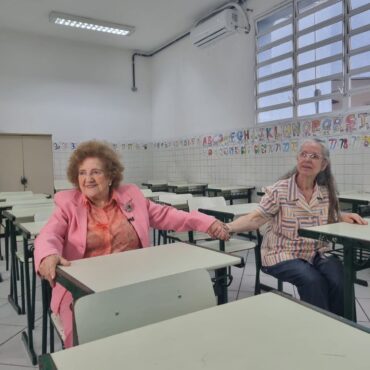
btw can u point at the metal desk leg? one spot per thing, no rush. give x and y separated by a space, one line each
359 281
221 285
27 336
6 237
13 295
1 223
349 278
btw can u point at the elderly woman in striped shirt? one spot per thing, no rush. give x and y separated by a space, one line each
304 197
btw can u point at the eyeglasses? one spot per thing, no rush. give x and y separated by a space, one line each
93 173
305 155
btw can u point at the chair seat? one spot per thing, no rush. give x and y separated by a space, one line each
57 323
231 246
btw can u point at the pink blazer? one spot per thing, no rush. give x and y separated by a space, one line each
65 232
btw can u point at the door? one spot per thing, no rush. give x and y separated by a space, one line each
26 163
11 163
38 163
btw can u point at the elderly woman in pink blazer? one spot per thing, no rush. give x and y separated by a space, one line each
101 217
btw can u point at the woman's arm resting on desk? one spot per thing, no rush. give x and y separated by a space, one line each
48 266
352 218
248 222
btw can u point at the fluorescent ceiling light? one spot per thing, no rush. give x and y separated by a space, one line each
90 24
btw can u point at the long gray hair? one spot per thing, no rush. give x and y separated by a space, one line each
324 178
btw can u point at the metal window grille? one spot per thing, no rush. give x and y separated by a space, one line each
312 58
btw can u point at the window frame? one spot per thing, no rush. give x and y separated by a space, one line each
344 92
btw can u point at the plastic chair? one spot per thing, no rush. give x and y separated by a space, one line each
176 200
147 192
49 320
258 285
194 204
114 311
231 246
41 214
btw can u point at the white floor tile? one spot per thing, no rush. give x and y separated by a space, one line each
364 274
364 323
247 283
14 367
242 294
232 294
365 305
250 268
13 352
362 291
8 331
360 314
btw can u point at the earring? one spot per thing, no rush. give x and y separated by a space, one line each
110 184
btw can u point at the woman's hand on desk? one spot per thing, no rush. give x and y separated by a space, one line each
353 218
48 266
218 230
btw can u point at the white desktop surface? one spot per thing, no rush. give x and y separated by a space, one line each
229 187
116 270
156 182
30 211
158 193
35 201
33 228
258 333
344 229
355 196
184 184
63 185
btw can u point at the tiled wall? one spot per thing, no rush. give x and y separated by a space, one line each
257 156
137 159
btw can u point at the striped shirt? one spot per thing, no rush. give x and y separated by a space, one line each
287 210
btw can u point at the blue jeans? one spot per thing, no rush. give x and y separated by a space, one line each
319 283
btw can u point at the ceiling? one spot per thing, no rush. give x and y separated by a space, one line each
156 21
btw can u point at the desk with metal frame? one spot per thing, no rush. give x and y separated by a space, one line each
229 212
184 187
10 240
29 231
352 237
60 185
174 200
13 196
253 333
156 185
231 192
355 199
234 210
101 273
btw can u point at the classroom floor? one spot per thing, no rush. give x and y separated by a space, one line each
13 355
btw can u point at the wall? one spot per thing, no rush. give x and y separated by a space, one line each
73 90
196 91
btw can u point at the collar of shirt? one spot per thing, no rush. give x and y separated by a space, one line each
114 199
293 191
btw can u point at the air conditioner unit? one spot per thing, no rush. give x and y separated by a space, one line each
214 28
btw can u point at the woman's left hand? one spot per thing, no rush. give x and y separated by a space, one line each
218 230
353 218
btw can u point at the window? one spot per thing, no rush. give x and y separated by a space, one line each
322 66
